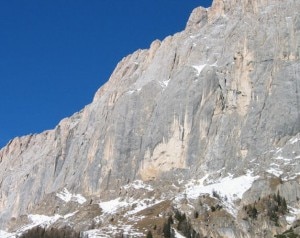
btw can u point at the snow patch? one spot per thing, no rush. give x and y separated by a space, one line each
278 150
42 219
79 198
293 216
196 36
129 208
4 234
177 234
138 184
66 196
164 83
229 189
295 211
283 159
130 92
113 205
134 206
275 171
253 160
128 230
199 68
38 220
69 215
294 140
290 219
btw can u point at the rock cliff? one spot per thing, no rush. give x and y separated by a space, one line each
219 100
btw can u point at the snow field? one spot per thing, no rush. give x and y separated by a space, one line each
229 189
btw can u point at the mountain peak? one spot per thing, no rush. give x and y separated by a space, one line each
221 7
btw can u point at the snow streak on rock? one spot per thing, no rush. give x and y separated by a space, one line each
66 196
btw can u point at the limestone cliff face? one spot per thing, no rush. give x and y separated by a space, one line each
208 100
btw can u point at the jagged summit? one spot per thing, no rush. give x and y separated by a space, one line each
209 116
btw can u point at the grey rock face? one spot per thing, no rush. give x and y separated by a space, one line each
219 97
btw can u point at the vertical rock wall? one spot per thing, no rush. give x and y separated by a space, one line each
208 99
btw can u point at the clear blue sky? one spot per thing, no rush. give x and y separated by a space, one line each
55 54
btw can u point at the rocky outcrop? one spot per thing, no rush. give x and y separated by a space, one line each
220 97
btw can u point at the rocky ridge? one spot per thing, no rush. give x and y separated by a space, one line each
213 109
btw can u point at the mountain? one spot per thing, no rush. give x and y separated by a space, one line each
198 136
